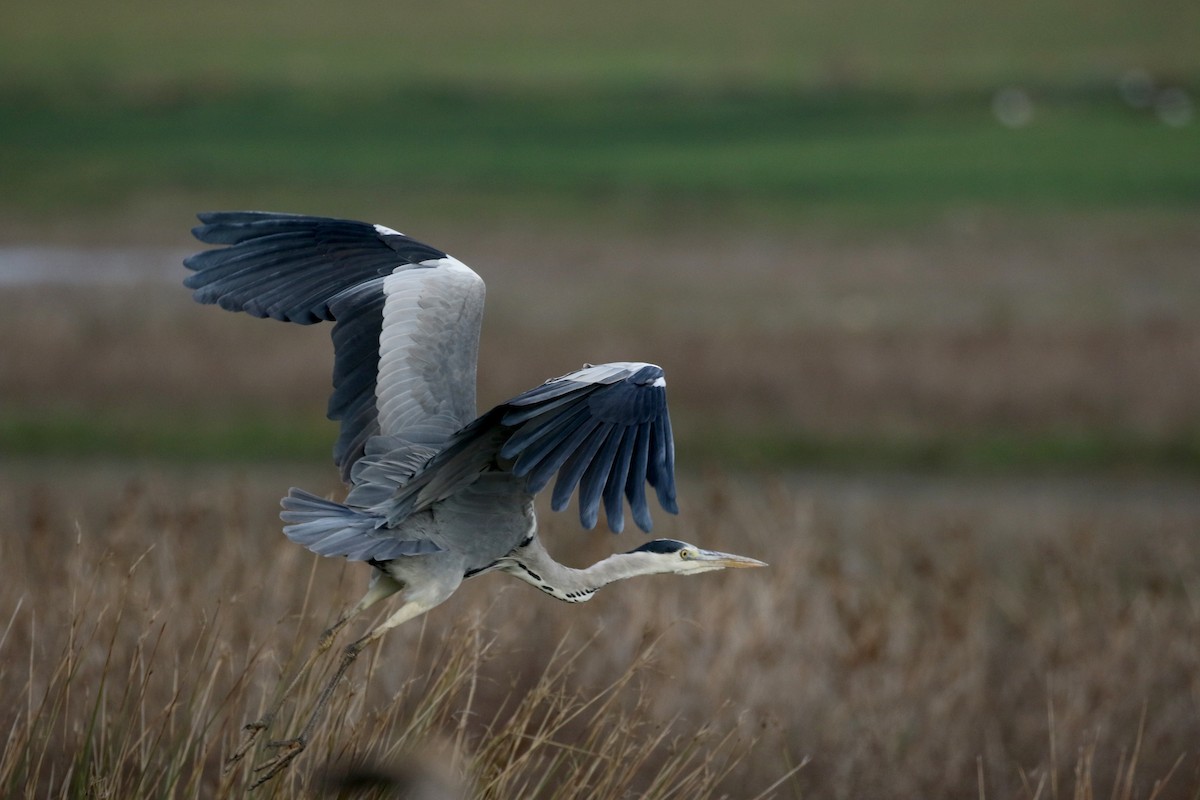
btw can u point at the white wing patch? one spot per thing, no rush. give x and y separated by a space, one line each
607 373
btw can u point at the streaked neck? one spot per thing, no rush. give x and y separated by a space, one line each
535 566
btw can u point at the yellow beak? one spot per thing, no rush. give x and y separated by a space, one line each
729 560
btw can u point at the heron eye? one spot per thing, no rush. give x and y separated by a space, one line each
685 554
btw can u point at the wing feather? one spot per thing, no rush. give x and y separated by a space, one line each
614 487
577 463
531 445
428 347
560 450
635 483
660 470
407 315
603 430
591 485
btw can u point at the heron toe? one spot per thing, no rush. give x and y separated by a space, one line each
288 750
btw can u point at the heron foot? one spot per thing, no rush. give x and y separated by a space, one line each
251 731
288 750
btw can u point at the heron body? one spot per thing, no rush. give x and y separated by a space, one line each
438 494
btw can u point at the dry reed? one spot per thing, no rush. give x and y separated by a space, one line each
912 638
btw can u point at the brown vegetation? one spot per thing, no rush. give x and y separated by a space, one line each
912 638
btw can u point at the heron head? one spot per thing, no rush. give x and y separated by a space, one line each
685 559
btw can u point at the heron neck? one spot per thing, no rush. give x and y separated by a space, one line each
535 566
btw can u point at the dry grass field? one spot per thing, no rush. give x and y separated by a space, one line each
1007 631
913 638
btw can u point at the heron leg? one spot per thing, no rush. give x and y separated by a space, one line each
382 586
290 748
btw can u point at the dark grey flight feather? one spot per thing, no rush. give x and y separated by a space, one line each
593 428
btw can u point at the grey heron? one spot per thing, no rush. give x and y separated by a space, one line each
438 494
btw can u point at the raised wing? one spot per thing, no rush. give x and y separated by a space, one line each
604 429
408 315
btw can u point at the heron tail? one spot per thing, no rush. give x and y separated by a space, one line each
333 529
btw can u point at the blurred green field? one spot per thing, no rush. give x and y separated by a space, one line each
767 113
780 157
926 45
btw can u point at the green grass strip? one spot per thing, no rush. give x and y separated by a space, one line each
249 438
974 452
785 152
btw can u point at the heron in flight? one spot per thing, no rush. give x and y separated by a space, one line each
438 494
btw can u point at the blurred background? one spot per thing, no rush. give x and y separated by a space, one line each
925 234
919 264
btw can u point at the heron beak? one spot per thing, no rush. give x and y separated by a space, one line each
728 560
